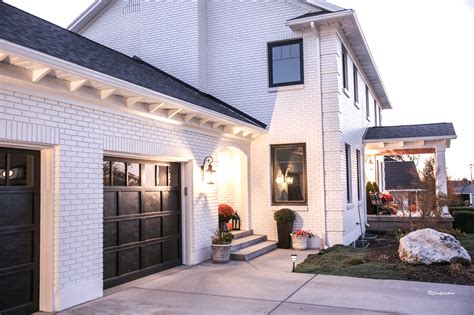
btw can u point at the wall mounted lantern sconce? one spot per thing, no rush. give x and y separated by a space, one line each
284 178
207 171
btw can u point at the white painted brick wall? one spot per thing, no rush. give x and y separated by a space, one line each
82 133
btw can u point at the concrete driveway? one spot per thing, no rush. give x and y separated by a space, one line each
266 285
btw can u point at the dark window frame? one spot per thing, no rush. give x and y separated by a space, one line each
355 77
270 62
375 113
273 177
348 173
367 101
359 174
345 79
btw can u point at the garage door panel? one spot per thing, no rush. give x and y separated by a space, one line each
151 255
16 249
171 224
129 260
151 228
129 202
171 200
110 234
16 208
110 265
16 289
151 201
129 231
171 250
110 203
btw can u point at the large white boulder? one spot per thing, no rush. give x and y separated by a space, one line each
428 246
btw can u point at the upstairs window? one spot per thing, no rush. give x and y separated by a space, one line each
345 81
356 84
367 98
285 63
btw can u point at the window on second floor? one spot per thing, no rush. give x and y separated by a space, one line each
345 81
356 84
285 63
367 99
375 113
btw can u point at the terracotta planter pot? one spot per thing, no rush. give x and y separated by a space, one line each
220 253
299 242
284 230
314 242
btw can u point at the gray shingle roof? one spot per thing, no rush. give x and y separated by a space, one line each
401 175
410 131
27 30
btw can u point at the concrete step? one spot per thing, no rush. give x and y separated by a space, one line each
241 233
247 241
253 251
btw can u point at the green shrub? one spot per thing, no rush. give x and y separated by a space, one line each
376 187
371 209
284 215
464 221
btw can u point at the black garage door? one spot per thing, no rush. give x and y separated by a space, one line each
19 231
142 219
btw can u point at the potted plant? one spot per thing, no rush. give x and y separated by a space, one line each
225 215
299 239
221 245
314 242
284 218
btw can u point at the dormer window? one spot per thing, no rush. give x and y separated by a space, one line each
285 63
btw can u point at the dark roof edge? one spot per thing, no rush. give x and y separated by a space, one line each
254 120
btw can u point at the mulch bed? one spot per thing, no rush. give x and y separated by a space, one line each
381 261
385 249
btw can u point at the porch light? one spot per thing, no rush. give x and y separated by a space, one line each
207 171
285 179
293 259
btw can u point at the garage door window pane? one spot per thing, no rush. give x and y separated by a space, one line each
106 167
150 175
3 169
118 173
21 170
133 171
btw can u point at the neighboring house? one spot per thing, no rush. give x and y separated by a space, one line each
466 193
104 155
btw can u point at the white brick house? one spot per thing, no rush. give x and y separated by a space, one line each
88 117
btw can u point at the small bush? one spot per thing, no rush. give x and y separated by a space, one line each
464 221
453 209
284 216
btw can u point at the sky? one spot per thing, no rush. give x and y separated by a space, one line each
423 49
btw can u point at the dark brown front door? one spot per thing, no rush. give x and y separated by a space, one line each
142 219
19 231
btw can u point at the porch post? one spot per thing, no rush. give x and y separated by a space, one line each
441 177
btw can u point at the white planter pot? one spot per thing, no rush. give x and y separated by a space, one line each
314 242
220 253
299 242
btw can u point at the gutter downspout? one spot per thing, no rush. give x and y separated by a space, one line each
316 32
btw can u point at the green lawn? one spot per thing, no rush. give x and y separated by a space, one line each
380 261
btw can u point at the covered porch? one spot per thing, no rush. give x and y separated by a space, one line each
379 142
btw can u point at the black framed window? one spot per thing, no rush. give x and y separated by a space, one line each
285 63
367 99
345 81
375 113
289 174
356 84
359 174
348 174
380 116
